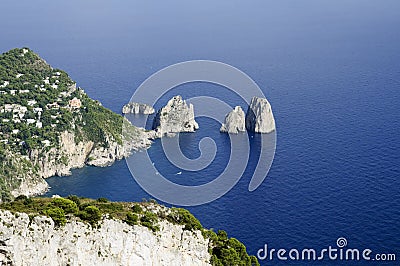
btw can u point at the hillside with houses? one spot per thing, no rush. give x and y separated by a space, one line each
35 100
48 126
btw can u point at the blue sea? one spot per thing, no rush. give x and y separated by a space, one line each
330 69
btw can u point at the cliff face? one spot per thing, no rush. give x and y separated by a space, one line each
105 156
71 154
259 117
234 121
39 242
30 185
176 116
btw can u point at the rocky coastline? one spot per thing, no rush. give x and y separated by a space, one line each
176 116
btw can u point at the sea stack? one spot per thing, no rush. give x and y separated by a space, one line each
259 117
138 108
176 116
234 121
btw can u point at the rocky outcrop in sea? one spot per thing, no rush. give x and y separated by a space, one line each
234 121
176 116
137 108
259 117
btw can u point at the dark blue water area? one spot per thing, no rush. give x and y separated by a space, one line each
329 68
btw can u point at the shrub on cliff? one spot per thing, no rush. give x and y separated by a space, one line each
75 199
131 219
90 214
184 217
102 200
66 204
136 208
110 207
229 251
150 220
57 214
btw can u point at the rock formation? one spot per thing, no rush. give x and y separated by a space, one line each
137 108
71 154
234 121
259 117
175 117
37 241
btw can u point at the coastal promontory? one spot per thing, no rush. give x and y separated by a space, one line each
49 126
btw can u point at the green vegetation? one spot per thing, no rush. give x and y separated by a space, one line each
184 217
223 250
27 81
57 214
91 214
150 220
96 122
37 104
84 209
75 199
136 208
103 200
228 251
24 78
68 206
131 218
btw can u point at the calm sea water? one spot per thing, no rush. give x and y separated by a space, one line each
331 70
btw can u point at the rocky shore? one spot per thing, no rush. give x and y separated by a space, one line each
58 161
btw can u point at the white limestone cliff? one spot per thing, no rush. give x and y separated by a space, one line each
137 108
259 117
234 121
30 185
39 242
176 116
